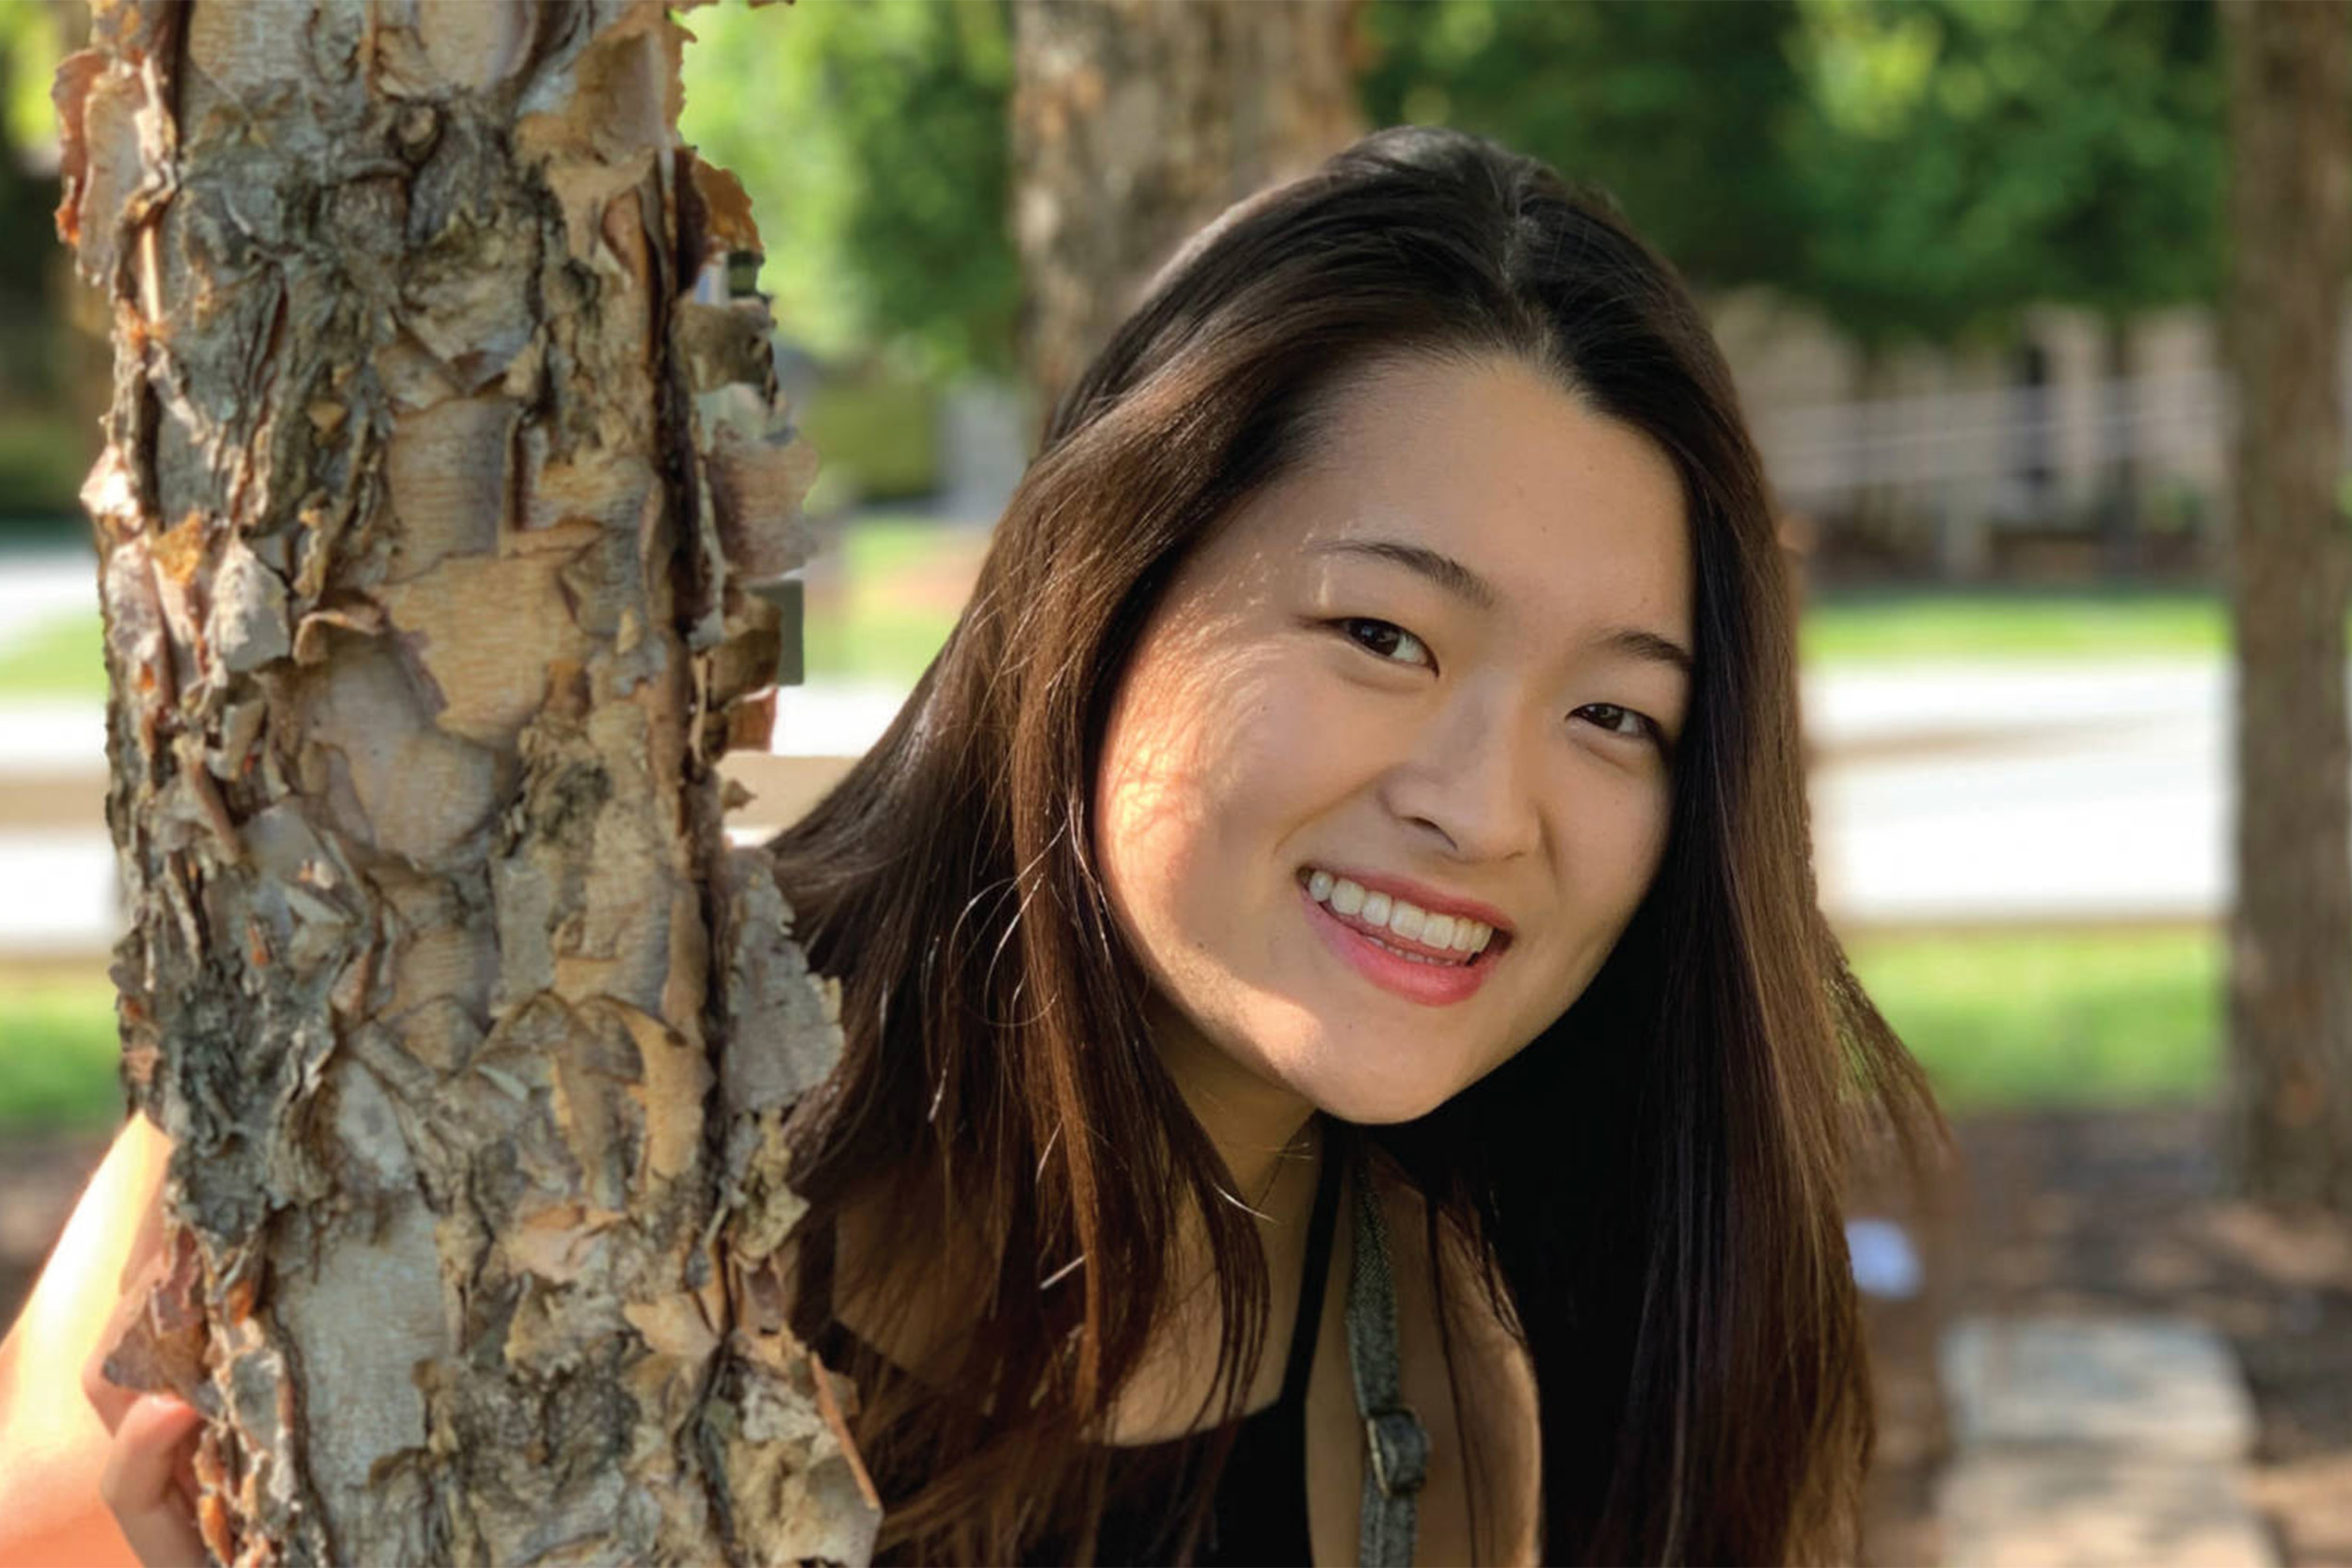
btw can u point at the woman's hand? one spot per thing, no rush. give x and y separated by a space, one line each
150 1480
59 1418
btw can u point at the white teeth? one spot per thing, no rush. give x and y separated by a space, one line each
1458 932
1416 958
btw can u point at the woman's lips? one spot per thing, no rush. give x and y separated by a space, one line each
1431 984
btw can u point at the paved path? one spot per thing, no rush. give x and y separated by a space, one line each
2096 1443
38 587
2033 792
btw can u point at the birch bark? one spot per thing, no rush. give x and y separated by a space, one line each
441 478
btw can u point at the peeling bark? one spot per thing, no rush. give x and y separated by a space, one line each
438 480
1135 123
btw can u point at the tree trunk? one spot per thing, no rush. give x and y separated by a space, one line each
427 576
1135 123
2291 930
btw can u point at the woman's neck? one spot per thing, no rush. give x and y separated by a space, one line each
1255 1125
1264 1136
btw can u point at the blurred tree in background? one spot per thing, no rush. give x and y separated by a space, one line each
2290 573
1136 122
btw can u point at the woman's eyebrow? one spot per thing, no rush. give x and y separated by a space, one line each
1443 570
1459 581
1646 644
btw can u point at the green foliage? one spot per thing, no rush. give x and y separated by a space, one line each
1917 168
2068 1018
32 41
872 140
884 627
33 44
1674 110
1963 159
44 455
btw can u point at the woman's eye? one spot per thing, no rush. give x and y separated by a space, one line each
1386 638
1622 721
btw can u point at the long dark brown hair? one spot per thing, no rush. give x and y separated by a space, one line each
1654 1184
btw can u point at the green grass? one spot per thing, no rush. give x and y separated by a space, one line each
1893 625
2054 1019
882 645
883 634
58 1054
64 656
881 545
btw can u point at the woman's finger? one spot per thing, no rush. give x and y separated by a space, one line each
142 1485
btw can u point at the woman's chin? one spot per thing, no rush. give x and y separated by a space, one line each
1377 1103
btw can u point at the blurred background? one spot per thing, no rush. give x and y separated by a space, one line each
1967 261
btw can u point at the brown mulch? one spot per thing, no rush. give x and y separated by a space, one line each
2110 1211
2128 1212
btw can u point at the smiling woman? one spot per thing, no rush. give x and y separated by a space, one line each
1365 780
1342 1059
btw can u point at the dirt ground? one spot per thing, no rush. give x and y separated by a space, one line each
2105 1211
2127 1212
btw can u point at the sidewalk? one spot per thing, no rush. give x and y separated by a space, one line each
2086 1442
2061 793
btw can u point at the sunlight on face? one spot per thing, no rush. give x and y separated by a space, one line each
1300 702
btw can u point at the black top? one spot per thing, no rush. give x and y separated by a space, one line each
1258 1515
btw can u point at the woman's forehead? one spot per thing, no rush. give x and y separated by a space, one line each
1513 495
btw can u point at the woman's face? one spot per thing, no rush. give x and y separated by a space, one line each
1443 662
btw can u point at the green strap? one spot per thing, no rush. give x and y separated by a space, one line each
1398 1445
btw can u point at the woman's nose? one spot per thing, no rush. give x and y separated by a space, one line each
1470 782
